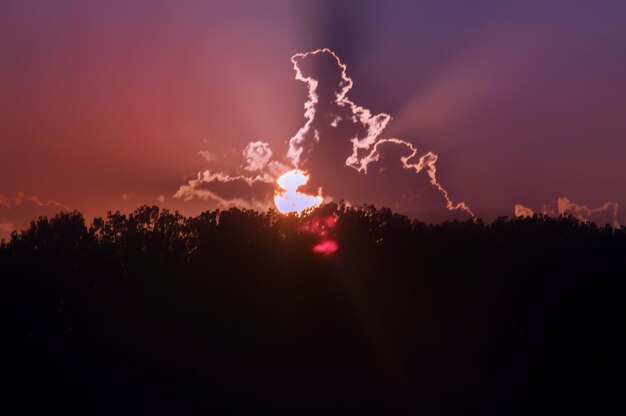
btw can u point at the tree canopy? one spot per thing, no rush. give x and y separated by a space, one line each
231 311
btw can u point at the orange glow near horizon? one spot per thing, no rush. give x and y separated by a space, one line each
290 199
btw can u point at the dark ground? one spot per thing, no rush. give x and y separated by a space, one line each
232 313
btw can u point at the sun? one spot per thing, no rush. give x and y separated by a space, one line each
289 199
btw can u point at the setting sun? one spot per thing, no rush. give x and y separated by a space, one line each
290 199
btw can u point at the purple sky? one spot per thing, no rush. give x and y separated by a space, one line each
106 105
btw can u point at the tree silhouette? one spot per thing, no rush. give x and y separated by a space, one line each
232 312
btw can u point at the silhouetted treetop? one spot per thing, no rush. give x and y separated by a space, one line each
238 311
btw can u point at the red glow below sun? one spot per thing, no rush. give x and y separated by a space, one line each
326 247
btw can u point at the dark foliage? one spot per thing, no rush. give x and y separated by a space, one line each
231 312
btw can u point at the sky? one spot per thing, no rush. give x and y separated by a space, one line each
111 105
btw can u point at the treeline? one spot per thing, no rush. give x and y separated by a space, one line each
232 312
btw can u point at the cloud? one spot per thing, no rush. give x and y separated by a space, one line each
160 198
604 214
373 124
252 187
16 213
126 197
208 156
23 199
254 192
522 211
341 150
425 162
584 213
336 146
257 156
330 114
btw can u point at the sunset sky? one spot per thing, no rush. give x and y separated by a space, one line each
110 105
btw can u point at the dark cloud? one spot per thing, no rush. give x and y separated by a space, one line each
342 147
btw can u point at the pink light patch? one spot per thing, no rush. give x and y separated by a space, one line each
322 226
319 225
326 247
